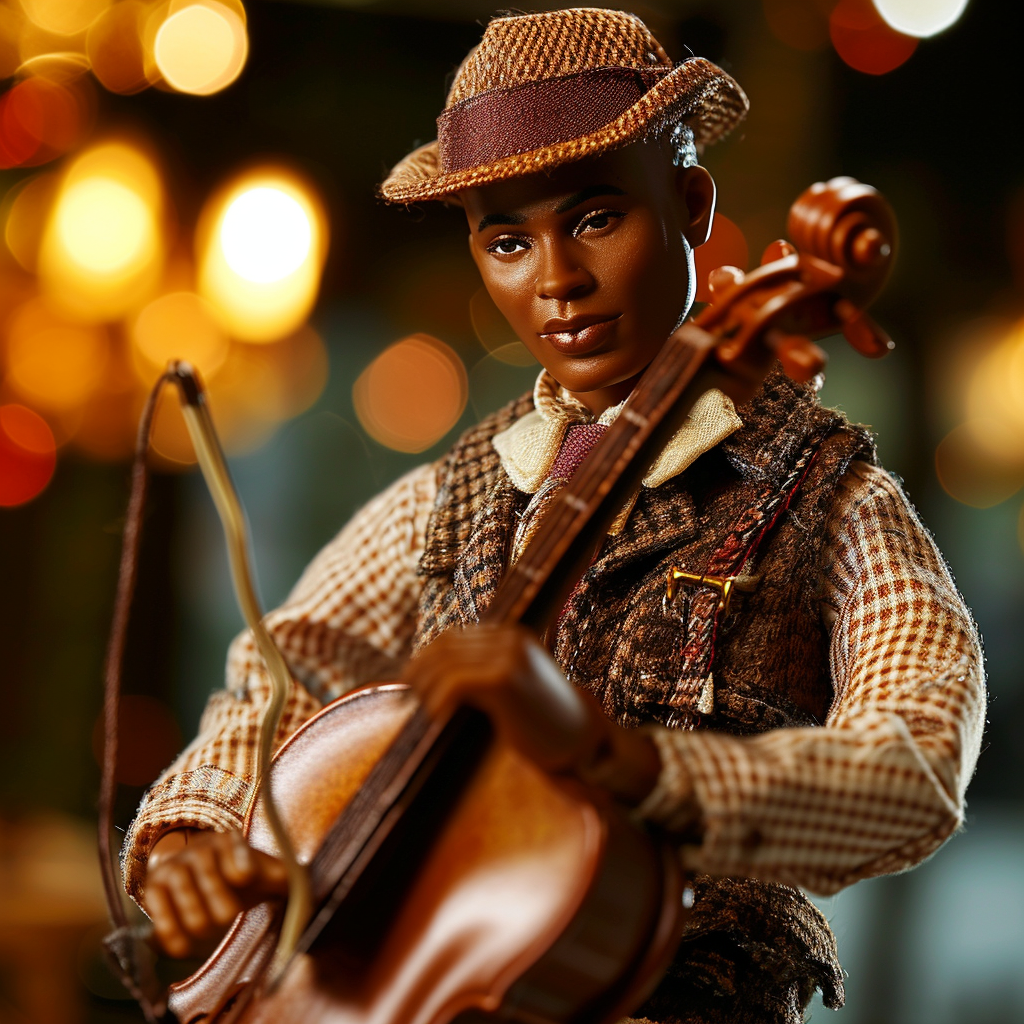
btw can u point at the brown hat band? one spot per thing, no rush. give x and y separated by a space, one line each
503 122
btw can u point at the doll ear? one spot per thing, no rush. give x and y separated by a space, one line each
696 190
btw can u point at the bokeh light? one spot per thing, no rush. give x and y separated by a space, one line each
920 18
412 394
27 455
995 399
64 17
495 333
865 41
27 206
261 244
266 235
178 326
256 389
103 248
802 24
971 474
12 21
42 119
53 362
726 247
114 47
202 47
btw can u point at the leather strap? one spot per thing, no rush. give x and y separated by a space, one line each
730 558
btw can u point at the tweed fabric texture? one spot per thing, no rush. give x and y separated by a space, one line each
877 789
648 662
522 51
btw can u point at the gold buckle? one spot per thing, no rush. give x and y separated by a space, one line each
723 584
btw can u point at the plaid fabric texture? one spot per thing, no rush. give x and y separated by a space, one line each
881 785
875 790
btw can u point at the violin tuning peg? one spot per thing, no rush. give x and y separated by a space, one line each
722 279
801 359
777 250
862 332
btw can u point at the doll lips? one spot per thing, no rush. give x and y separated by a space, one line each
579 335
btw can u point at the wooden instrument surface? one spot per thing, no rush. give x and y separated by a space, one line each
527 899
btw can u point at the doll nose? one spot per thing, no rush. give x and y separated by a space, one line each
562 278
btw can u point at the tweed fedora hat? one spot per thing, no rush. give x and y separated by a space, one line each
542 90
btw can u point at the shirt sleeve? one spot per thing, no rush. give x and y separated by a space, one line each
349 620
880 786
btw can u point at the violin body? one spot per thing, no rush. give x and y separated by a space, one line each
532 900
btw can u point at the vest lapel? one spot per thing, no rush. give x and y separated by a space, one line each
485 554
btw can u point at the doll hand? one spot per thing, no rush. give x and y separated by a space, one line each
198 882
506 673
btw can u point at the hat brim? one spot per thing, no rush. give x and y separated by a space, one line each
696 92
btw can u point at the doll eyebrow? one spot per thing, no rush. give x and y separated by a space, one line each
590 192
500 218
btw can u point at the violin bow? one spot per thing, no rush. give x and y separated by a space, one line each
128 947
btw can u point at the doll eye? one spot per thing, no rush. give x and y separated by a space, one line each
597 221
507 246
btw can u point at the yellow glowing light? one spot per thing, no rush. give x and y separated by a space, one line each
261 246
11 25
201 48
265 234
54 363
102 250
995 399
103 225
920 18
178 326
114 47
64 17
412 394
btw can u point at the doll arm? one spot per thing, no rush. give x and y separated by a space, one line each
881 786
348 621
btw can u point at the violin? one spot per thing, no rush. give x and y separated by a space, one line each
451 879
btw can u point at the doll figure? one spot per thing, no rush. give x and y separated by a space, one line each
820 730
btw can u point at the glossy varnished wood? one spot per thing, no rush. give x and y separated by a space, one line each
529 905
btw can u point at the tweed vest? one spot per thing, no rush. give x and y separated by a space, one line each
755 507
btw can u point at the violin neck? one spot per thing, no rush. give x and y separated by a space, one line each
536 587
531 593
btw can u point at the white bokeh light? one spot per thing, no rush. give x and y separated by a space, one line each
920 18
266 235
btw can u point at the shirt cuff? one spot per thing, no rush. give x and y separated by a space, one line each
206 798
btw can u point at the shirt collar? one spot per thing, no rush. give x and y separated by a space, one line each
528 448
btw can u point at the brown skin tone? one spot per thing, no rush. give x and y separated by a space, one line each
588 266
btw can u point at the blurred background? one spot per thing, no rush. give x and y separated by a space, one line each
197 179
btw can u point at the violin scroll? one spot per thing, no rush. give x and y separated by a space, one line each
843 245
851 226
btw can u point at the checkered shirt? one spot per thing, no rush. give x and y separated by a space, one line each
876 789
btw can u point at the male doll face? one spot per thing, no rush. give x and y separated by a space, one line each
588 263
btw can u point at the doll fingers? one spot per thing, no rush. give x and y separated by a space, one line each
169 932
221 902
180 884
237 861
